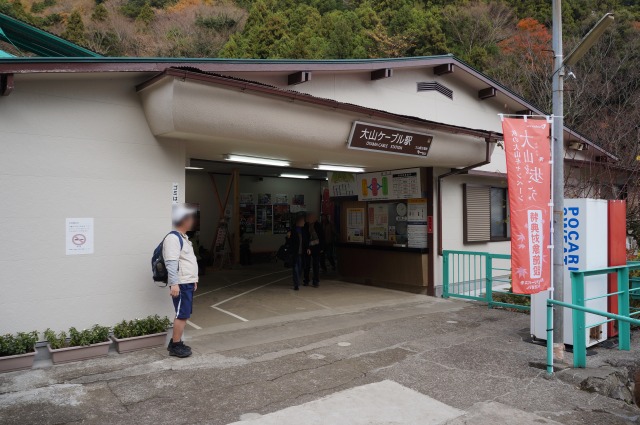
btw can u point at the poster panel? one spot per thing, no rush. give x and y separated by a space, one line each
342 184
379 222
355 225
264 219
527 150
281 220
248 218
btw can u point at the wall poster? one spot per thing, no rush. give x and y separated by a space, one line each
280 199
264 199
264 219
417 223
247 198
248 218
342 184
281 219
379 222
355 225
79 236
298 199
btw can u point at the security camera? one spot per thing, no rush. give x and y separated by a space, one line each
571 75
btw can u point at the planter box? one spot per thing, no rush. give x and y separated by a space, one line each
74 354
127 345
17 362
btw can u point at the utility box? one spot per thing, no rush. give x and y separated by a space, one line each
585 230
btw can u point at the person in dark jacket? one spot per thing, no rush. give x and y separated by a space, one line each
299 249
315 235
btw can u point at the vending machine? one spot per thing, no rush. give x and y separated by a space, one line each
585 230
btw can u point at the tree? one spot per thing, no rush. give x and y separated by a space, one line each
146 15
100 13
74 31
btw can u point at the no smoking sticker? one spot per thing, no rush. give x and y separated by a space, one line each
79 236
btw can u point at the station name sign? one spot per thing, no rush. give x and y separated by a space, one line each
378 138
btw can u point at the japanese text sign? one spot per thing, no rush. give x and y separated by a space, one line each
527 149
371 137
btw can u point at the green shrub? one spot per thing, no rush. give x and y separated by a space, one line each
140 327
20 343
77 338
216 23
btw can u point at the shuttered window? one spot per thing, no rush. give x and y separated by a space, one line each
486 214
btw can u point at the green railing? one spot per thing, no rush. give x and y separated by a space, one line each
480 276
624 293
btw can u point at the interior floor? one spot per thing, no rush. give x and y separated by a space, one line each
264 291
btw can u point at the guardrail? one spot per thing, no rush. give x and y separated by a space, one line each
480 276
624 319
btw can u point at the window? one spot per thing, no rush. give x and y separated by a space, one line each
486 214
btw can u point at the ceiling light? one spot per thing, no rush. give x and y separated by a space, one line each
325 167
256 160
193 168
294 176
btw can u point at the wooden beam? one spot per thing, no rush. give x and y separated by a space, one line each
446 68
487 93
299 77
380 74
6 84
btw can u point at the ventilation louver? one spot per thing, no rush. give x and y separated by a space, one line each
435 86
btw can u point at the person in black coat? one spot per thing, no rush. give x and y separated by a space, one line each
299 249
315 234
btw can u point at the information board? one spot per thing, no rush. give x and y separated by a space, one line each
393 184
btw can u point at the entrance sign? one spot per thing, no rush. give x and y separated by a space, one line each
527 148
378 138
79 236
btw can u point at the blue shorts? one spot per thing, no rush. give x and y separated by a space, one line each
183 303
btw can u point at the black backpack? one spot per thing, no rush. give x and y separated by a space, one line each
158 268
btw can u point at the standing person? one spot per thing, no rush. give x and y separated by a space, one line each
182 268
329 247
298 246
316 245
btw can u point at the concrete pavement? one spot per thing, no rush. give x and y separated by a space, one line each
459 356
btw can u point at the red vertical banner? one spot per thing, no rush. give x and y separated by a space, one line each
528 152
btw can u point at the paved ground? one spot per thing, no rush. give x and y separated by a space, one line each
332 365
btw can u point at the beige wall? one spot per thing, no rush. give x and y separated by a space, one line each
452 220
399 95
199 189
80 148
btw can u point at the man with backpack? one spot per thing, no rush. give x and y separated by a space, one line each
182 274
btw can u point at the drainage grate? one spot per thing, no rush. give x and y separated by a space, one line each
435 86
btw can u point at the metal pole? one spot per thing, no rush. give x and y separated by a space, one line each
558 179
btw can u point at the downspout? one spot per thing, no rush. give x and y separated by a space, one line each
455 172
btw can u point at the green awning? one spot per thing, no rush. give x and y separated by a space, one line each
42 43
4 54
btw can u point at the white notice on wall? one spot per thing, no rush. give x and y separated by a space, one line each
175 193
79 236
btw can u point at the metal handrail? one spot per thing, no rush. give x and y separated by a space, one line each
579 309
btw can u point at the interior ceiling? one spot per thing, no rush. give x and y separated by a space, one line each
227 167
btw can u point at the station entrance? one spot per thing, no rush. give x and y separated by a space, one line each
245 214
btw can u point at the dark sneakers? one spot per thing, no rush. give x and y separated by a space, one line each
179 349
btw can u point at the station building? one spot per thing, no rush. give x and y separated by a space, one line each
403 153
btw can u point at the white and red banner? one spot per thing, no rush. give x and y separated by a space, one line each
528 151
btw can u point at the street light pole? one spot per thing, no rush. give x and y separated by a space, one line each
558 180
559 62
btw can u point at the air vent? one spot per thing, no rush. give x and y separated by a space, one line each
435 86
